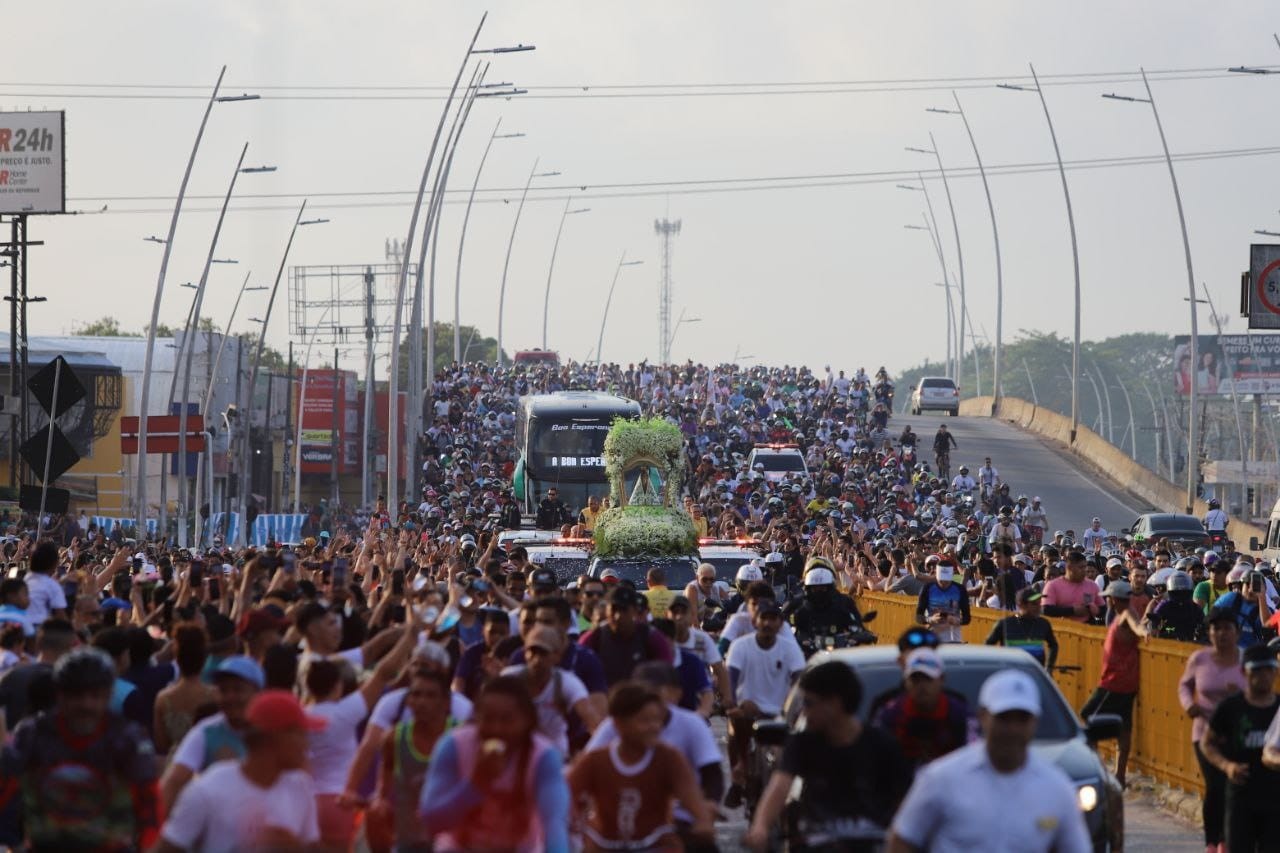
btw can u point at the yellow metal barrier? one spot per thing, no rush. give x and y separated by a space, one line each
1161 730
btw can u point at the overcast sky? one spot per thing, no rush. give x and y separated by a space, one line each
814 275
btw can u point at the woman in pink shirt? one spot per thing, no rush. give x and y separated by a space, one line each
1212 675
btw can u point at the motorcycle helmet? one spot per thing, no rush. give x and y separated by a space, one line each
1214 503
1179 586
746 575
964 469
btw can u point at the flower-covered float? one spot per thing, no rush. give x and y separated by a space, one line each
649 522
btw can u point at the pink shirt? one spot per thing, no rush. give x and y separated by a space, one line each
1205 683
1061 592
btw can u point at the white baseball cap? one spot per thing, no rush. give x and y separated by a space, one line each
923 661
1010 690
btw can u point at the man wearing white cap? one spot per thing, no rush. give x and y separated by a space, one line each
926 720
1027 803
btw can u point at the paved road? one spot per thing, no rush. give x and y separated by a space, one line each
1070 493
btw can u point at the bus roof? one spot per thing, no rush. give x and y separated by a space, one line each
578 403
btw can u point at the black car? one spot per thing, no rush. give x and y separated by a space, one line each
680 570
1185 529
1060 738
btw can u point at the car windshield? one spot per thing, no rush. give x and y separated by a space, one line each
937 383
680 571
1176 522
566 566
781 461
1057 722
727 567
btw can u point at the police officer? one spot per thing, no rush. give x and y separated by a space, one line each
1178 617
823 611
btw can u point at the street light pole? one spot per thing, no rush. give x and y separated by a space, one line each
511 242
680 321
148 360
952 370
462 239
192 329
555 247
1193 453
997 358
393 395
955 225
622 262
247 415
1075 253
302 403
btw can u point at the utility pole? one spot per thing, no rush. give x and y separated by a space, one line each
367 451
287 463
335 444
666 229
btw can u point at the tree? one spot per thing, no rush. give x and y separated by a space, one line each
272 360
475 347
104 327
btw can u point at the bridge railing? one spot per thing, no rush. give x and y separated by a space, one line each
1161 730
1102 455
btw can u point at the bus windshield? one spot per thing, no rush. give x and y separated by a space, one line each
567 448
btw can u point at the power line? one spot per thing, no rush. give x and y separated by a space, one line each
656 92
1127 73
715 186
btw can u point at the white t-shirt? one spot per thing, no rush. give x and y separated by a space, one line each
764 674
191 749
392 709
222 810
739 625
46 595
1032 808
685 732
701 644
551 720
332 749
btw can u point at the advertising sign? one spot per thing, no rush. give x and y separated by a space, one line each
1249 363
32 162
323 401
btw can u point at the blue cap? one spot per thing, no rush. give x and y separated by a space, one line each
114 603
242 667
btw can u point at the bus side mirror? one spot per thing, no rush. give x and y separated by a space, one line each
1254 544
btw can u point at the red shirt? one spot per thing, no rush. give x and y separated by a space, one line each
1120 659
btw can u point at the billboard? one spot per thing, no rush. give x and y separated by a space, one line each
328 405
1249 364
32 162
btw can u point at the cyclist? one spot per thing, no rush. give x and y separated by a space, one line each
988 478
943 442
1005 532
1035 521
761 668
1095 536
854 775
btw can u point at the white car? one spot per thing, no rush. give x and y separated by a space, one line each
933 393
776 461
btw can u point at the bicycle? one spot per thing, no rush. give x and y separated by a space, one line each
943 461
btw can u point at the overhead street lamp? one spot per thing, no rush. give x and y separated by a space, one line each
555 247
679 322
462 239
951 322
1266 233
145 401
1193 456
155 239
622 262
502 291
253 373
953 366
997 360
1075 253
955 226
393 421
208 391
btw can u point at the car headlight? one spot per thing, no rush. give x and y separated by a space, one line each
1087 797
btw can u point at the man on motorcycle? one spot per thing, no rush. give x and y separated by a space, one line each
927 721
908 437
963 482
823 612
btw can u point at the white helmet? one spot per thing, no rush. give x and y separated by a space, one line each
748 574
772 558
818 576
1237 574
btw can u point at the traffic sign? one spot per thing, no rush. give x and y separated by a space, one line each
1264 286
56 500
162 434
61 454
70 391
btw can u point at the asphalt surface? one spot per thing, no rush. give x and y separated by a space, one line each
1070 493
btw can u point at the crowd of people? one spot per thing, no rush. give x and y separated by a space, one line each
400 680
